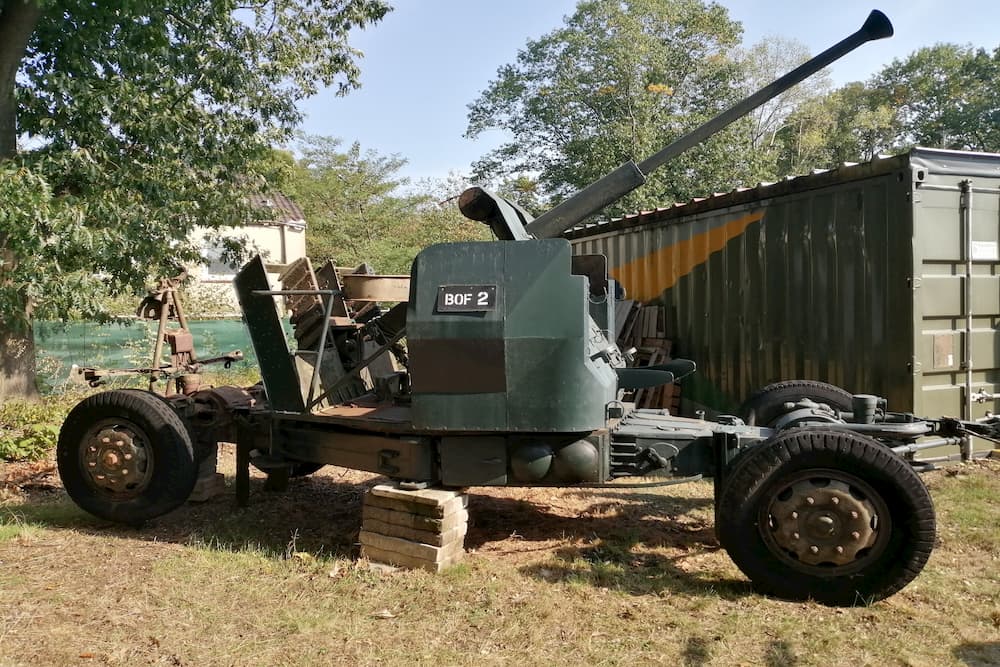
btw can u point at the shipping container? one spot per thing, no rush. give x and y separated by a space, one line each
882 277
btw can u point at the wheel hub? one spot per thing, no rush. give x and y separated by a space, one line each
823 521
116 460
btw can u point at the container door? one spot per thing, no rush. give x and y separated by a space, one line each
956 292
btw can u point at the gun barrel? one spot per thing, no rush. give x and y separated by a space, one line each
629 176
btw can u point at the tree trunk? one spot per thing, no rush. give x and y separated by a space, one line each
17 361
18 19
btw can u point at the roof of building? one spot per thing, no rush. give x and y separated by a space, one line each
281 210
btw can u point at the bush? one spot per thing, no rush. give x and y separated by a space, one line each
29 431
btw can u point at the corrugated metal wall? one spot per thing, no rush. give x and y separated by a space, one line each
951 226
814 278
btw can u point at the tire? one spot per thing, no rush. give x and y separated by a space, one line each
767 404
826 515
125 456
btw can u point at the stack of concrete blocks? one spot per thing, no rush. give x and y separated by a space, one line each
414 529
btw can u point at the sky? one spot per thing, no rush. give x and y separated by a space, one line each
429 59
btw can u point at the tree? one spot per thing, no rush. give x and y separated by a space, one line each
946 96
619 80
360 209
851 124
146 120
763 63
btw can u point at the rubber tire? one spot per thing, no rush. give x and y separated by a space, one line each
767 404
175 469
791 452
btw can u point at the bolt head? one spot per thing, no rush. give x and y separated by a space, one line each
105 440
835 500
856 535
795 536
810 500
854 515
814 549
840 550
795 515
128 457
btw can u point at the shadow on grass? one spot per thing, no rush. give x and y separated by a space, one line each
978 654
604 539
634 542
318 515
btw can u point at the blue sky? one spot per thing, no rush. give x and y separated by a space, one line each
429 59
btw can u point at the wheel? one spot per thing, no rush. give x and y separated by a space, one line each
125 456
767 404
828 515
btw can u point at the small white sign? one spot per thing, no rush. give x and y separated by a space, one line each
987 251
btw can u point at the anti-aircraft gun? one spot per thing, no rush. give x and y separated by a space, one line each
510 375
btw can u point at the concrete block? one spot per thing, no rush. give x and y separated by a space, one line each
412 549
415 521
402 560
433 537
208 487
432 497
435 511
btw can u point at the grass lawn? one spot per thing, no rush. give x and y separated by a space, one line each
552 577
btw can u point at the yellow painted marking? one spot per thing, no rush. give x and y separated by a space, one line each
647 277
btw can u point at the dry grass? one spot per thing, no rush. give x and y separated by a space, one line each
553 577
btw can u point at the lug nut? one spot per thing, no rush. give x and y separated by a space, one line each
835 500
124 471
128 457
91 464
854 515
840 550
795 515
105 440
810 500
814 549
856 535
795 536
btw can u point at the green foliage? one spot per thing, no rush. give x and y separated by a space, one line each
851 124
943 96
359 212
29 431
148 121
619 80
946 96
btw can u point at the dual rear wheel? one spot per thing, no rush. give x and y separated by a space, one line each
821 513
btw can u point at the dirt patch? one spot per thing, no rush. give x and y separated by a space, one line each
321 514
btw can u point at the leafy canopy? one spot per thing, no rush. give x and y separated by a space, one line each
360 209
621 79
144 121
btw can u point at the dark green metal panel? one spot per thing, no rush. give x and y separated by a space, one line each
854 276
539 329
473 460
268 338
